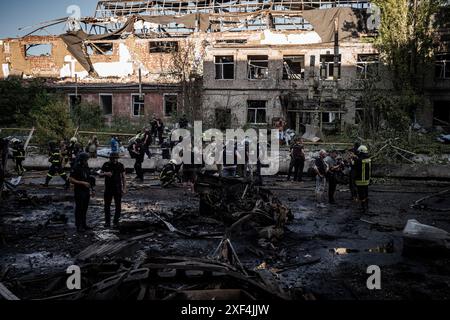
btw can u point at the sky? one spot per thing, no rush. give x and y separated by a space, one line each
21 13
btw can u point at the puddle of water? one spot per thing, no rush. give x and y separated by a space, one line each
386 248
343 251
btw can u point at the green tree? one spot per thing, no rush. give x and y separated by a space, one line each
87 116
18 99
52 121
405 40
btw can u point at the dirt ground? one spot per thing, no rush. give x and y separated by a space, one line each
324 251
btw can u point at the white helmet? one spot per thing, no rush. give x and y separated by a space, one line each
363 149
74 140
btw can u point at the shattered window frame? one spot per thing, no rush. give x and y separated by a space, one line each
163 46
256 110
327 67
333 116
367 66
46 53
166 100
72 100
442 66
257 67
222 66
137 105
289 67
100 48
101 102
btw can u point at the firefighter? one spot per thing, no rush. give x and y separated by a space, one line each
362 177
84 185
74 149
18 156
56 167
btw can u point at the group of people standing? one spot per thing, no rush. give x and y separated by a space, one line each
327 166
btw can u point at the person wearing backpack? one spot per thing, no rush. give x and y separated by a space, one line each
297 160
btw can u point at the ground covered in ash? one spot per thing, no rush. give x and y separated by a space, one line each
323 254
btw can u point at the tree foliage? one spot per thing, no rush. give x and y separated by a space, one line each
18 99
87 116
187 68
405 40
52 121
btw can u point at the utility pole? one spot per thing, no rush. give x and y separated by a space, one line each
336 61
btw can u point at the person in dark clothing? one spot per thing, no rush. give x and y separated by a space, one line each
165 148
160 130
115 188
362 177
18 156
84 185
56 167
3 159
137 152
146 142
352 159
320 168
183 122
297 161
333 168
63 148
154 128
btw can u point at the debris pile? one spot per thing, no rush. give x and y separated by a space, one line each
153 278
235 201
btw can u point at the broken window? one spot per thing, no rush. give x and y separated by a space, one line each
74 101
103 48
232 41
330 117
163 46
442 66
293 67
106 104
256 111
224 67
441 113
170 104
258 67
359 112
327 67
367 65
138 105
38 50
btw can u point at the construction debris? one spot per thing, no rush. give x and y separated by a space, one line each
236 201
424 239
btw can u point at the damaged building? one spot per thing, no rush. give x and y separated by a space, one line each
258 61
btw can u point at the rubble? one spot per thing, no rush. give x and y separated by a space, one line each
162 278
236 201
425 239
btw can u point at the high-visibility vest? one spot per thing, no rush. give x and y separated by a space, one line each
363 177
55 158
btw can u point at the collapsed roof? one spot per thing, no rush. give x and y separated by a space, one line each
177 18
